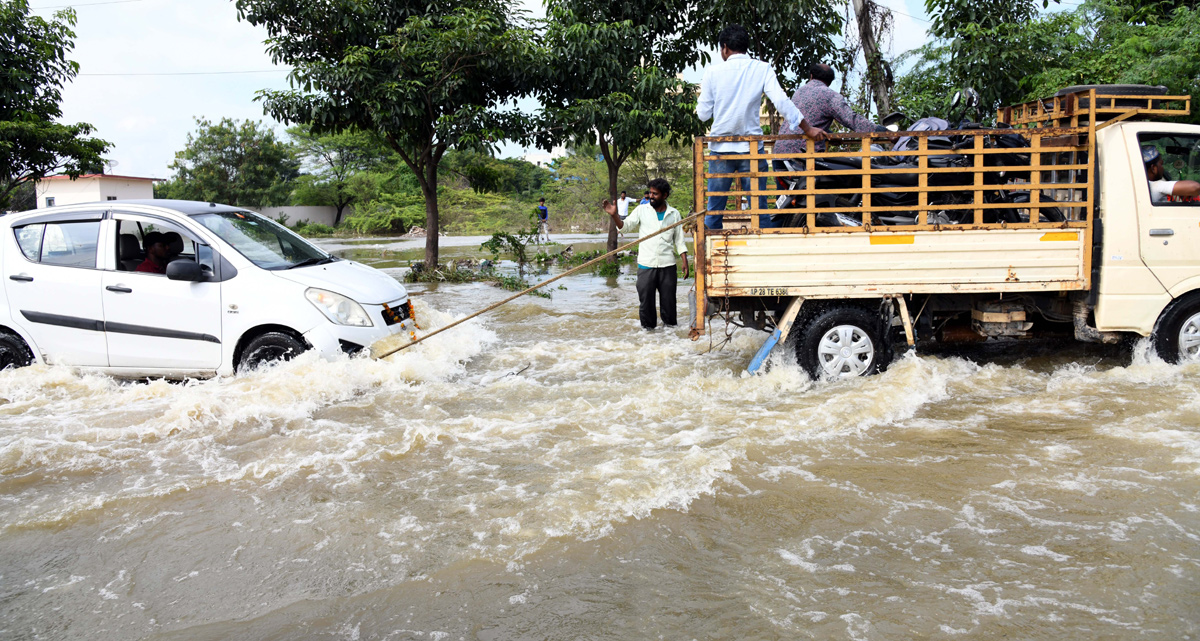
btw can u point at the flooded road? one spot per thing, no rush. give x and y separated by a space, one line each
551 471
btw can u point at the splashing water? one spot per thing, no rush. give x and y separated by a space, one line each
553 471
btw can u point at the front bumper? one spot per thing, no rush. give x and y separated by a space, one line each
330 339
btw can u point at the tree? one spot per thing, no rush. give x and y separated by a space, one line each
484 173
611 81
238 163
35 67
989 45
332 161
1122 42
788 34
424 77
1099 42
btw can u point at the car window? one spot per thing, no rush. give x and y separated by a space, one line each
29 238
68 244
1180 154
131 241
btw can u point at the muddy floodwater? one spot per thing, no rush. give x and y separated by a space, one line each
551 471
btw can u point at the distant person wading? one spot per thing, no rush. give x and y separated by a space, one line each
543 216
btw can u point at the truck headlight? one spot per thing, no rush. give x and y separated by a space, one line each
338 308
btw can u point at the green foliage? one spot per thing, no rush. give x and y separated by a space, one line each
926 88
1098 42
238 163
512 244
788 34
387 213
333 161
988 44
611 78
423 77
517 284
312 230
484 173
33 144
1123 42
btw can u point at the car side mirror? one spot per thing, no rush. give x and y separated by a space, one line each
184 270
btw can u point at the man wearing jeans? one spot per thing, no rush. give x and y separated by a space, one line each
656 256
731 95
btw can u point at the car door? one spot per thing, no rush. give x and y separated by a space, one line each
150 321
1169 231
53 286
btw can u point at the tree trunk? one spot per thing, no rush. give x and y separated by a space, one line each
876 72
429 190
612 196
337 218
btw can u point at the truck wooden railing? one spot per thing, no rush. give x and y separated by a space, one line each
978 222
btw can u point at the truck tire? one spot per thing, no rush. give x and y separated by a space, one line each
14 352
1177 334
842 341
268 348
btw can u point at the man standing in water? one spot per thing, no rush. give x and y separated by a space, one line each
656 257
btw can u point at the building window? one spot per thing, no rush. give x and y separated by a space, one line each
49 201
112 197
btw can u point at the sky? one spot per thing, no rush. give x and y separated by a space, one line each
149 68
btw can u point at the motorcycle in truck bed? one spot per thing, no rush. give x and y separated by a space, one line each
1041 225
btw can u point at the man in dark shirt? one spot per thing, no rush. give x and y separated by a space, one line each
156 254
543 215
821 106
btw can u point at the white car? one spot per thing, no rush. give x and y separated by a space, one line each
238 290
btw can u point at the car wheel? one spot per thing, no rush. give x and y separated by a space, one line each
1177 335
843 341
14 352
268 348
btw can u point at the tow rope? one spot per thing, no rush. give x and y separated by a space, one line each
539 285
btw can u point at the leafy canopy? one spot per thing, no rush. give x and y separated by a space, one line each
424 77
33 57
238 163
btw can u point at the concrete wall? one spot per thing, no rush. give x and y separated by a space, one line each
91 189
322 215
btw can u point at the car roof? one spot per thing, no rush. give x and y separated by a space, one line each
184 207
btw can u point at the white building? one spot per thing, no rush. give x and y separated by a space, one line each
89 188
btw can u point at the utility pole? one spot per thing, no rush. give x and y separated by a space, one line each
876 69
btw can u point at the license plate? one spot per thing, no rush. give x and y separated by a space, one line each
397 314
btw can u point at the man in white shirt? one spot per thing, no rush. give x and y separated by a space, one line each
731 95
656 257
1161 190
623 205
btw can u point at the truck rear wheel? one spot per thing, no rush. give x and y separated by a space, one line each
1177 336
843 341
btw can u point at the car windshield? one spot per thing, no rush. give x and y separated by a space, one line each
263 241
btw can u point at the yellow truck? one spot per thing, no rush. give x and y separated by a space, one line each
1043 225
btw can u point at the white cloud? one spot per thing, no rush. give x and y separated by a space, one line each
148 117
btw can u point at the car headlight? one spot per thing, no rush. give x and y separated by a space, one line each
338 308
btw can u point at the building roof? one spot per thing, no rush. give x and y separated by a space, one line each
63 177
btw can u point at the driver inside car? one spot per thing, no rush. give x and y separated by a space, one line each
157 254
1161 189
